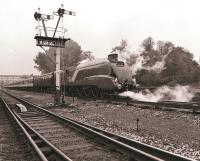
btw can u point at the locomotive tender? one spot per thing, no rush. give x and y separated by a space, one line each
93 78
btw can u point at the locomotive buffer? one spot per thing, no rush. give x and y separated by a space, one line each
53 37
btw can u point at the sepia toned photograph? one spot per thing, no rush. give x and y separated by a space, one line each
100 80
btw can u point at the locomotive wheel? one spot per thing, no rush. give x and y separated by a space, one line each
95 92
102 93
75 91
80 92
68 91
87 92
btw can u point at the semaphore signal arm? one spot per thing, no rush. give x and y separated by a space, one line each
43 37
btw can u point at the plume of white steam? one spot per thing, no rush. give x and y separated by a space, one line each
84 61
158 66
140 61
124 55
122 50
86 57
164 93
199 60
138 65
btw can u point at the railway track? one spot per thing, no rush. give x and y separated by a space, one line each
40 147
83 142
11 145
191 107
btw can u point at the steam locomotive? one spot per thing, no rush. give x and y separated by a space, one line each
93 78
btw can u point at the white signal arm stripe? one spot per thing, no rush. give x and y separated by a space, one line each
70 13
49 17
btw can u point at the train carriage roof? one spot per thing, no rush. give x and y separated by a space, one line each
47 75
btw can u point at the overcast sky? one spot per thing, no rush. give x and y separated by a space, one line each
98 26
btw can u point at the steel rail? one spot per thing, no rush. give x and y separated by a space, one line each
132 152
159 153
28 137
135 153
57 152
194 107
171 105
184 105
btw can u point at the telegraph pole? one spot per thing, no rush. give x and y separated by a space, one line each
43 39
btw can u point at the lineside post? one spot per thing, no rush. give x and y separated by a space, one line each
58 86
58 69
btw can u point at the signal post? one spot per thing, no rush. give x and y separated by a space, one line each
53 40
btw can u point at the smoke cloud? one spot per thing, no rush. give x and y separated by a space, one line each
86 56
164 93
138 65
138 62
84 61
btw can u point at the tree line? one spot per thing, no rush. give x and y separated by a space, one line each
71 55
156 63
177 63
